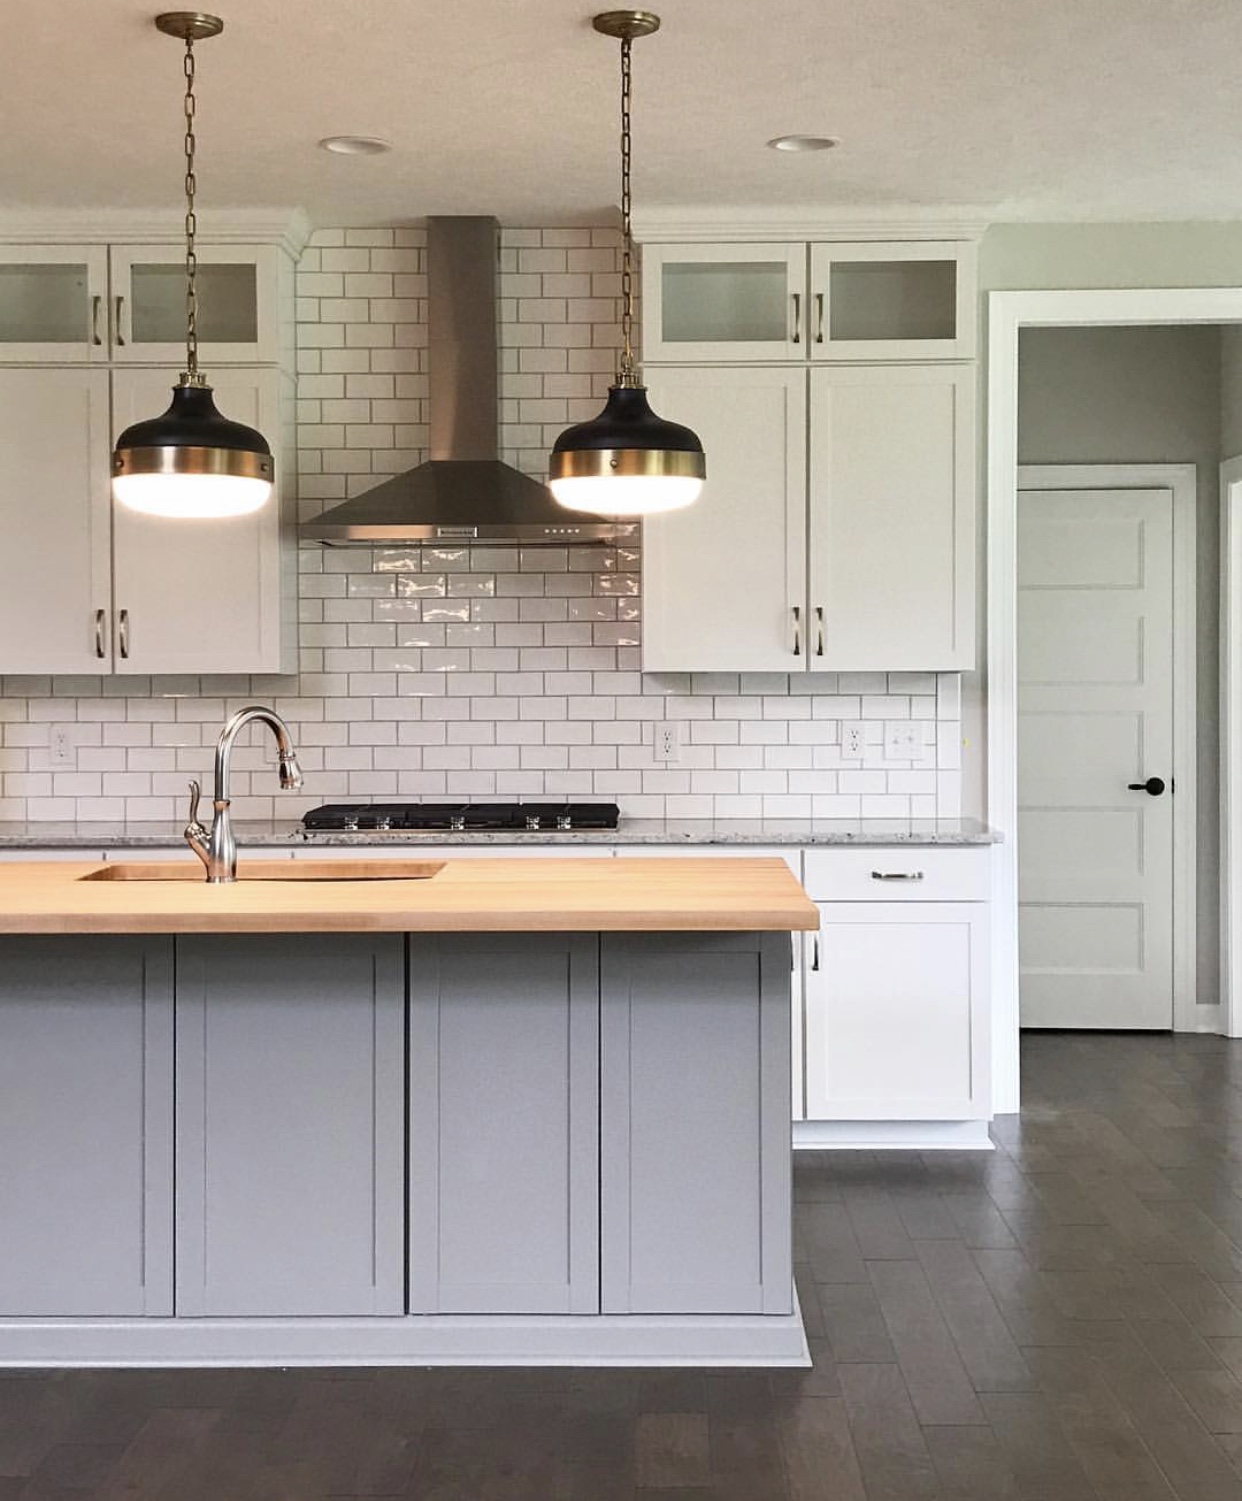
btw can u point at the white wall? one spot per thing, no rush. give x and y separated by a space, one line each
1145 395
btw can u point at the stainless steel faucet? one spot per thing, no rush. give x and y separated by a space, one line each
217 849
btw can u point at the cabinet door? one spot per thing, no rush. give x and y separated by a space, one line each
724 302
695 1131
52 303
724 580
896 301
54 564
892 521
201 596
290 1125
86 1127
504 1123
238 304
896 1012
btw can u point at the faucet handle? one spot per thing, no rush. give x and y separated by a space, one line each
196 792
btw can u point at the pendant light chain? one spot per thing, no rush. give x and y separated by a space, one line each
191 222
626 375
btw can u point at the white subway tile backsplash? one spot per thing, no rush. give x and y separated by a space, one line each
475 672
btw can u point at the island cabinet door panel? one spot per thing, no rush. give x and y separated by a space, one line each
695 1130
290 1124
86 1127
504 1123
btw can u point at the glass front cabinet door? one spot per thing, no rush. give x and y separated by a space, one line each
53 304
898 301
238 319
724 302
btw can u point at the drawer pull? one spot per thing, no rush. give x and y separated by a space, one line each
796 336
896 875
815 954
797 631
100 622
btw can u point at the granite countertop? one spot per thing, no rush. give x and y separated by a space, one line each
791 832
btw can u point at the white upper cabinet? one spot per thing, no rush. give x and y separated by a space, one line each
125 304
201 596
860 560
724 302
892 525
892 300
55 593
724 580
238 304
53 303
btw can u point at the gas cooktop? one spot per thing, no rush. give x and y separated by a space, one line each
463 817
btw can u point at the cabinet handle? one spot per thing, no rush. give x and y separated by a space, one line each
815 954
797 629
819 317
96 302
896 875
819 630
123 633
101 622
120 336
796 336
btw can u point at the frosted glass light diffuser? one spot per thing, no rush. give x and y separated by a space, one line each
191 496
626 495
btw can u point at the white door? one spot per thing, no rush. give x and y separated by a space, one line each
724 580
1095 718
199 596
892 517
54 587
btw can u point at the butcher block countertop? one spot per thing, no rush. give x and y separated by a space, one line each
483 896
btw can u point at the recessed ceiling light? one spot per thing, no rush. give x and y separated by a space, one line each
804 143
356 145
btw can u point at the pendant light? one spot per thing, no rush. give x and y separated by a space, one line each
191 461
627 461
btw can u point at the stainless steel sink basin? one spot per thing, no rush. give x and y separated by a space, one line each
271 870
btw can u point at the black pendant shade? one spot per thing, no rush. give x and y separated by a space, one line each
627 421
191 461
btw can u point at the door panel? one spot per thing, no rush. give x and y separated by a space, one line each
1095 713
54 508
199 596
721 579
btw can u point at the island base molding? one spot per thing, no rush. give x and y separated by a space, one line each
432 1340
892 1136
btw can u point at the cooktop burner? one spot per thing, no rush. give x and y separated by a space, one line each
463 817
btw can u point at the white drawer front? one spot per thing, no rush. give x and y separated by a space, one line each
884 873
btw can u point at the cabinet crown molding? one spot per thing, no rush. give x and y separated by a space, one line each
663 222
287 227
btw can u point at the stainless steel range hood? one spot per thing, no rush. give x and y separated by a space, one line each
463 494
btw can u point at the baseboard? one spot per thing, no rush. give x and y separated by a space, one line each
776 1340
892 1136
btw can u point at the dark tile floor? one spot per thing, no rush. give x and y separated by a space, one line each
1058 1321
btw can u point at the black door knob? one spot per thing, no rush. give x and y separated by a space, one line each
1153 786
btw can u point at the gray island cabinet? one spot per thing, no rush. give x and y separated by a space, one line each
418 1147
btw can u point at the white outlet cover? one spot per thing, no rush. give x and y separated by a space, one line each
853 741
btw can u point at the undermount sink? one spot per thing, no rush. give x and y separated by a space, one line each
271 870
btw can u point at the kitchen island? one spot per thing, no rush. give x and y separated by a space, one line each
500 1115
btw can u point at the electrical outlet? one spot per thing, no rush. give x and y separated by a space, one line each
902 740
853 742
60 746
668 741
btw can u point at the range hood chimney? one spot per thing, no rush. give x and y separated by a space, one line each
463 494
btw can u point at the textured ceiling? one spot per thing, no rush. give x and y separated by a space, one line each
1066 109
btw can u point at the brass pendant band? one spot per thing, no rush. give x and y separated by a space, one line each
236 463
611 463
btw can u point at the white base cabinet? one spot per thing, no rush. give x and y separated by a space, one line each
897 1023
